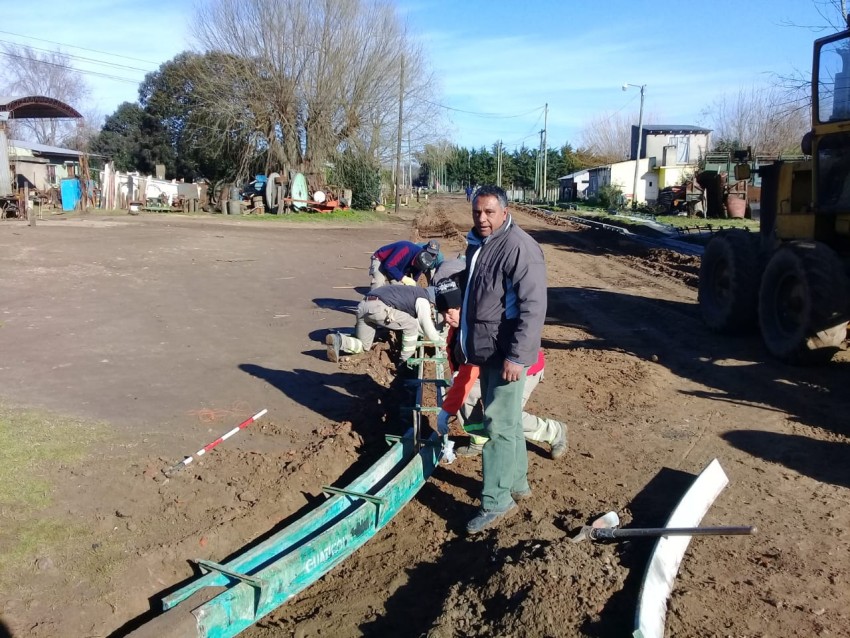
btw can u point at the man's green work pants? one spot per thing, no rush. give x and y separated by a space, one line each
505 459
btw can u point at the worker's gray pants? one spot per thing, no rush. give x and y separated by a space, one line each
374 313
376 277
533 427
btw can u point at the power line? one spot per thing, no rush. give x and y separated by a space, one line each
114 55
533 132
80 58
71 68
481 114
634 97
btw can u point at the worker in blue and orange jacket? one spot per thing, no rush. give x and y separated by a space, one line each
464 399
403 262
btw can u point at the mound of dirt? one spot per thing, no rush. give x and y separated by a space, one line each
538 588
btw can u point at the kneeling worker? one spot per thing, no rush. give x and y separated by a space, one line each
404 308
464 399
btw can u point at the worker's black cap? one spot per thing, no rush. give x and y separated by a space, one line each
447 295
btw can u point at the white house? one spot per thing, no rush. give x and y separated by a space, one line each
672 151
622 175
573 186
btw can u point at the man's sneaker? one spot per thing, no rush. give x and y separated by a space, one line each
559 445
334 343
488 518
471 449
521 496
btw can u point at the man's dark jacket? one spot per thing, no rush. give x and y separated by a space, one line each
505 297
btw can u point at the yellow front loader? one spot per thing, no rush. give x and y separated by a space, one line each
791 278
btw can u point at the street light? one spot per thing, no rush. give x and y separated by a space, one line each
642 88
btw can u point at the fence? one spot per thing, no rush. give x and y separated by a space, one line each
529 195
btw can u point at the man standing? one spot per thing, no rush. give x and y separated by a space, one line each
504 307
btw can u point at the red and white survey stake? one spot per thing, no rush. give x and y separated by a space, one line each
220 439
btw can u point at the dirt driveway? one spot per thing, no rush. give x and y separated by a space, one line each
144 324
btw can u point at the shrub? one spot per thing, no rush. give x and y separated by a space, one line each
611 196
361 175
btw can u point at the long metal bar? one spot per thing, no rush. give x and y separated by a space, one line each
290 538
604 534
233 596
233 611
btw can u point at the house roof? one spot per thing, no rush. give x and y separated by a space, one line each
45 149
24 107
670 128
571 175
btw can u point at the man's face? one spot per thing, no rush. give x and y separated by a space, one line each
452 317
487 215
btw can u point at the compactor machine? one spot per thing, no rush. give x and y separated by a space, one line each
791 278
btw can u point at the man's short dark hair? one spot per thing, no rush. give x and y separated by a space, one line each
491 190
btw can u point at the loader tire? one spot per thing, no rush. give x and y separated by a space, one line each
729 282
803 303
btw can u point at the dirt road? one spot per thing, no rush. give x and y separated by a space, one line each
649 395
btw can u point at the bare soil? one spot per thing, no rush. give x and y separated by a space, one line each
171 330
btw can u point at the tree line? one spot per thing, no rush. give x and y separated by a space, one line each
458 166
313 84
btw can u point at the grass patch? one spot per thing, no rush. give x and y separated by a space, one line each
30 443
348 216
33 446
633 221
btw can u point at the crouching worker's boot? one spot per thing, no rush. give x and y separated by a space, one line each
334 343
559 444
340 344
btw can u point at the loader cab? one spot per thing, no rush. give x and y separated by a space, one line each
830 136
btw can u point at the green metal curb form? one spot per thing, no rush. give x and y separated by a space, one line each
228 598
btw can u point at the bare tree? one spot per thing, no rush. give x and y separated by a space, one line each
765 118
82 132
310 77
607 137
28 72
796 85
832 12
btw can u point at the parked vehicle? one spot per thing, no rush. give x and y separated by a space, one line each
791 278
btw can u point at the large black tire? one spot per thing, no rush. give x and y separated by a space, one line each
803 303
729 276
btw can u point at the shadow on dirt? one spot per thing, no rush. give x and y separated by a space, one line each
372 409
467 484
342 305
735 369
824 461
651 507
337 396
413 607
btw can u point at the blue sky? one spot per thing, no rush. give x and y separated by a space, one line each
498 56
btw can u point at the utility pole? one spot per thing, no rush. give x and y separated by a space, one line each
499 166
398 142
642 88
538 166
545 153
